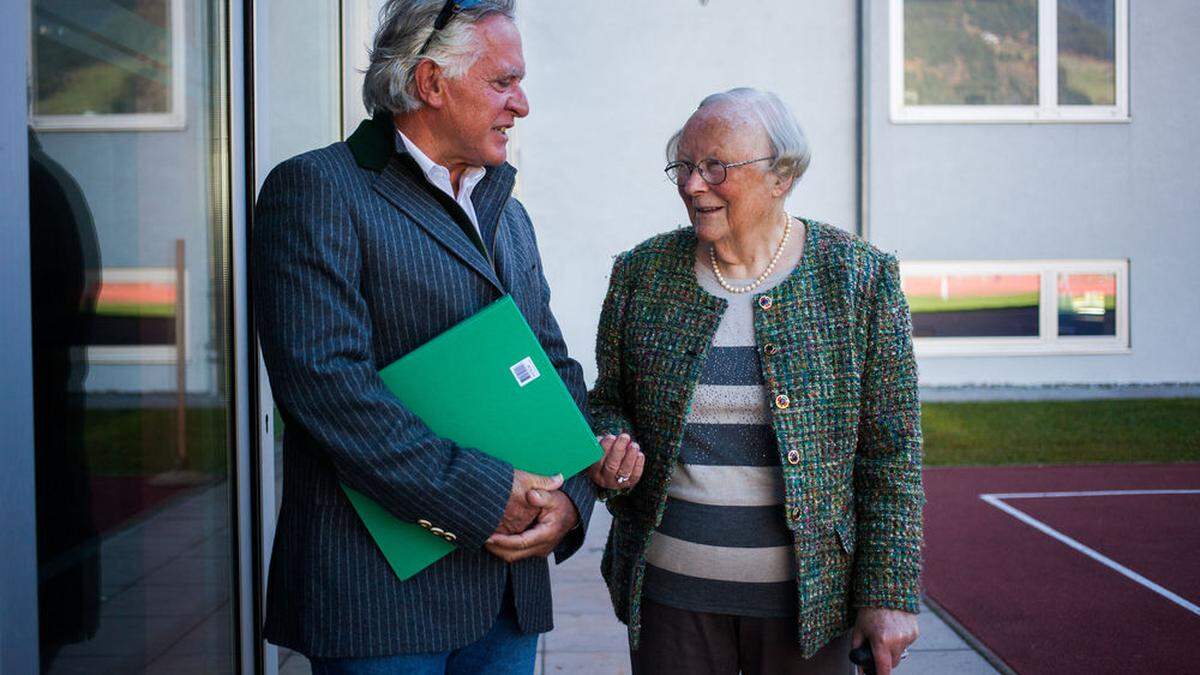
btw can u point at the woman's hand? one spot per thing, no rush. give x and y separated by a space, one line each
889 633
621 466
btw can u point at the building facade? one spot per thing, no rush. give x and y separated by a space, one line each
1029 162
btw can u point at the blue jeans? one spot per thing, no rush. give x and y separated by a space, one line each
503 650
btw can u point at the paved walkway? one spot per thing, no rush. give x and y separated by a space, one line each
588 639
165 584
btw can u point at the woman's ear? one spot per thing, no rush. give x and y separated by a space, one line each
780 185
429 84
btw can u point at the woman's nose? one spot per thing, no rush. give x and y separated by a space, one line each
694 184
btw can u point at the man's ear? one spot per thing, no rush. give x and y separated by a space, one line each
429 83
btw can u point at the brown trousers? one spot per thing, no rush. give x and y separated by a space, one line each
699 643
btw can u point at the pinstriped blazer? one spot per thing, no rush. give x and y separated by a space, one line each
357 261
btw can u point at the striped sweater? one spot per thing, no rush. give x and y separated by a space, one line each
724 545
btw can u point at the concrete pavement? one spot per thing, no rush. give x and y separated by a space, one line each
588 639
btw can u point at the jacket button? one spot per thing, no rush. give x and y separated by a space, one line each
765 301
793 456
770 349
438 531
782 401
450 537
425 523
794 513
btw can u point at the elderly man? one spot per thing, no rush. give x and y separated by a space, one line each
363 251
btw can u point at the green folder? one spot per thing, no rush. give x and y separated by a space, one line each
486 384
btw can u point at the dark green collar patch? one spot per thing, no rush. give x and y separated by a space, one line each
374 142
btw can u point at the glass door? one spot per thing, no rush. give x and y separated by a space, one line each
131 226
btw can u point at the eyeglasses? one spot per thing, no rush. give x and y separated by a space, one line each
712 171
449 9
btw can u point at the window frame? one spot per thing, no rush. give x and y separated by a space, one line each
1047 110
1048 341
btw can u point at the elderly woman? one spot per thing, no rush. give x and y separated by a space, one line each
763 363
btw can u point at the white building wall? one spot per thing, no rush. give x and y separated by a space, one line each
1077 190
609 81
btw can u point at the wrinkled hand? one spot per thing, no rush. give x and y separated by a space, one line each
556 517
519 512
622 464
889 632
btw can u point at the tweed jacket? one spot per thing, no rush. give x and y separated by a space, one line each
834 339
357 260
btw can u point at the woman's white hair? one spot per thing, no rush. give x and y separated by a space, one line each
404 26
788 143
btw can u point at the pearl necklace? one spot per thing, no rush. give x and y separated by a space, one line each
712 257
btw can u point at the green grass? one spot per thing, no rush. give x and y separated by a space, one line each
932 303
136 310
1062 432
142 441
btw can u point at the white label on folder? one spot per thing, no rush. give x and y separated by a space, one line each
525 371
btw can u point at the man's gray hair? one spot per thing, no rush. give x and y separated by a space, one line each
404 26
788 143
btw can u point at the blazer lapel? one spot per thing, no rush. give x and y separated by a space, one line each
373 145
399 185
489 199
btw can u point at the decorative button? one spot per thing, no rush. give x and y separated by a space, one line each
793 456
794 513
449 536
765 301
782 401
770 349
425 523
438 531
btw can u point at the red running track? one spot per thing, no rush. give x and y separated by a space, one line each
1043 607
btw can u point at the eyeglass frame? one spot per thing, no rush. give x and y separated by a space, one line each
449 10
725 167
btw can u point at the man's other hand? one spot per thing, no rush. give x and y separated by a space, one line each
519 512
557 517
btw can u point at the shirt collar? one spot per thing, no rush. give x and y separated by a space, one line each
437 174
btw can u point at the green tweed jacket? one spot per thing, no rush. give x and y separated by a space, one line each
835 347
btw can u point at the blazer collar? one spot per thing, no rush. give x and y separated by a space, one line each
402 183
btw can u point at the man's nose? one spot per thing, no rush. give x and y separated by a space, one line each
518 104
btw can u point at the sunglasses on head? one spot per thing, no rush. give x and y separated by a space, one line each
449 9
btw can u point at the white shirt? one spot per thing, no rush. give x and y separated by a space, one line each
439 177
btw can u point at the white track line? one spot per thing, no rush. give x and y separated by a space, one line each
996 501
1093 493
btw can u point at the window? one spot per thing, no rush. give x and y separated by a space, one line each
1009 60
965 308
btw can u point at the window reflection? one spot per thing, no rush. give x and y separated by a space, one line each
960 52
993 305
1086 48
1087 304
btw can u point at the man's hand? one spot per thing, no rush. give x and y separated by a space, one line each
621 466
556 518
520 512
889 632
